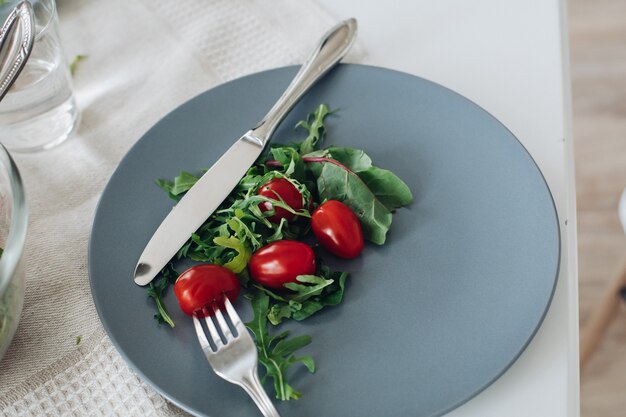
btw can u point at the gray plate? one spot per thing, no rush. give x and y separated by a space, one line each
429 319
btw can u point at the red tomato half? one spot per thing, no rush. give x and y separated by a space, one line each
203 285
281 262
280 187
338 229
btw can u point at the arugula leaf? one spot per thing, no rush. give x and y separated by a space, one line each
158 291
202 248
292 163
335 183
183 182
276 354
314 124
278 312
304 292
167 186
286 347
324 289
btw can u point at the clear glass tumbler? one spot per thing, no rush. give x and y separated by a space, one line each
39 111
13 222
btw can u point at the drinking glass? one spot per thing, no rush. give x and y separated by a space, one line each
39 111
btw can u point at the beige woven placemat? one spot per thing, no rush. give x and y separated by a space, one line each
144 58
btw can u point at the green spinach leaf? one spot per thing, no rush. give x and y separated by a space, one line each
355 159
388 188
335 183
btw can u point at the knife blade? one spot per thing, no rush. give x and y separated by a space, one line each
215 185
191 211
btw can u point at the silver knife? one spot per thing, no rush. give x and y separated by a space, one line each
215 185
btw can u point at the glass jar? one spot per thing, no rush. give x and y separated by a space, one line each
13 223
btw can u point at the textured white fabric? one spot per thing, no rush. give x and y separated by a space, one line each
144 58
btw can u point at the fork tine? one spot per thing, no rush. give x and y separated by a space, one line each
214 333
228 335
200 333
234 317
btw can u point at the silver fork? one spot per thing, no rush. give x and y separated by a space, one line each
235 359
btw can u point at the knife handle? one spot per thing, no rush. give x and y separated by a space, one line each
333 46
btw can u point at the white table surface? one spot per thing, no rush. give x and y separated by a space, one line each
510 57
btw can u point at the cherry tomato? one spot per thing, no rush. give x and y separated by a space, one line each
338 229
285 190
281 262
203 285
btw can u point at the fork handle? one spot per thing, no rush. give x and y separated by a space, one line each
252 385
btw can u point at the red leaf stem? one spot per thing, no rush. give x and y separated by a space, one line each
320 159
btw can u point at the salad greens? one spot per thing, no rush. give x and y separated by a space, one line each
276 353
157 292
371 192
8 302
238 228
313 293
